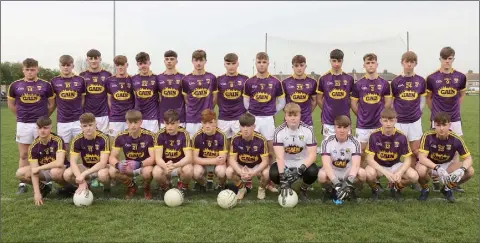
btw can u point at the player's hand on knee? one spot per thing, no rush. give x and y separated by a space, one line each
397 177
390 176
457 175
443 174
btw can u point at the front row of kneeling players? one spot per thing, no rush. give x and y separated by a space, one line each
171 153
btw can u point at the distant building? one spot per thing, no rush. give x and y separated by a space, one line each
472 80
385 75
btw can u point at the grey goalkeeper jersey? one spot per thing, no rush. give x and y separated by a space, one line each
340 153
294 142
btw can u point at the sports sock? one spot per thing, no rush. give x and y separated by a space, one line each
128 182
239 185
425 186
398 186
210 176
304 186
21 184
373 185
42 185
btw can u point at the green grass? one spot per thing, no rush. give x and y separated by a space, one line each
252 220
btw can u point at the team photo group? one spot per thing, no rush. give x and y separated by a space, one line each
113 129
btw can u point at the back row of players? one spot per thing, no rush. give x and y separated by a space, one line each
109 98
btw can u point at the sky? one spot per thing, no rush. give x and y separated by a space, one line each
47 30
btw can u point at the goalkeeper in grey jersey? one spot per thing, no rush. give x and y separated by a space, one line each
341 155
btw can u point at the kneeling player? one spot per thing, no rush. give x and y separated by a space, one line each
93 147
295 149
173 154
210 153
46 156
341 155
137 145
248 157
437 150
385 147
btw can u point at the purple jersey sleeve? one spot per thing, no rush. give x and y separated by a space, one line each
159 141
372 148
76 146
197 141
247 89
405 145
33 152
462 83
461 147
320 89
119 141
355 94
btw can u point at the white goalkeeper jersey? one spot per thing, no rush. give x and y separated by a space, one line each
295 143
340 152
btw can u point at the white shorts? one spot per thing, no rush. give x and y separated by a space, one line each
444 166
68 130
362 135
26 132
102 124
342 173
162 125
151 125
229 127
391 169
193 128
413 131
456 127
265 125
293 163
329 130
114 128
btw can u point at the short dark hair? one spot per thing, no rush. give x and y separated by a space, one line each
247 120
120 60
93 53
410 56
133 116
142 57
30 63
171 116
262 56
170 53
231 57
44 121
336 54
87 118
447 52
442 118
66 60
298 59
342 121
370 57
199 55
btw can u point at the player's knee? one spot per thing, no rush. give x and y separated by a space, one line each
103 175
147 172
265 174
371 173
112 171
469 173
158 173
21 174
68 175
220 171
229 173
362 175
322 176
198 172
421 170
187 170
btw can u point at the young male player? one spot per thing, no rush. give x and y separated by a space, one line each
295 150
96 96
29 99
333 93
260 95
386 146
248 157
146 92
198 89
137 145
408 91
93 147
341 157
301 89
47 161
173 154
209 153
70 93
121 97
170 89
437 150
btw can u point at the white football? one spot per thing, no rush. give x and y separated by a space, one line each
173 197
85 198
227 199
290 200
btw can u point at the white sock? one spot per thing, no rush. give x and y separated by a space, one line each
21 184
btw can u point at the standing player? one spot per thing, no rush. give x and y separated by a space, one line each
70 98
29 99
301 89
96 96
386 146
198 89
120 96
173 154
209 153
47 161
409 93
93 147
437 150
137 145
146 92
295 150
170 89
341 157
260 96
446 89
334 89
248 157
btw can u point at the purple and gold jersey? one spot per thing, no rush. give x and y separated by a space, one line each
263 94
198 89
170 90
120 94
69 92
387 150
174 146
46 153
249 153
96 97
300 91
336 90
406 92
135 148
146 95
31 99
445 89
210 146
370 94
230 99
90 150
441 151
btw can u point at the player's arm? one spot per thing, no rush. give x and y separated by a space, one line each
327 167
264 157
74 157
356 159
428 100
150 161
58 163
462 95
159 158
187 159
279 152
36 184
232 160
11 99
117 145
319 98
104 156
185 90
407 159
424 160
109 101
246 94
311 150
429 88
463 152
370 152
202 161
